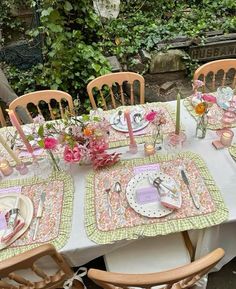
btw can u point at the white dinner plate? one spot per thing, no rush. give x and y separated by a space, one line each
154 209
26 210
119 123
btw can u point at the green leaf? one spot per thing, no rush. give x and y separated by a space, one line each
46 12
41 131
96 67
67 6
41 143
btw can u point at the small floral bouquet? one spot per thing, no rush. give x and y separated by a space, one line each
157 118
201 102
82 139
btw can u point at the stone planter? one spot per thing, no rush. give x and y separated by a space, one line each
107 8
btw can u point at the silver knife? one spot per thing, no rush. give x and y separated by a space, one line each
39 213
186 181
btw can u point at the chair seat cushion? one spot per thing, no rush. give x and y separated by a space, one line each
149 255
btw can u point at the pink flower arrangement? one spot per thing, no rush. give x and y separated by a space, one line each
197 84
50 143
72 155
98 146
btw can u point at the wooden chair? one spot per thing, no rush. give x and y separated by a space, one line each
2 118
182 277
43 96
11 277
111 87
214 71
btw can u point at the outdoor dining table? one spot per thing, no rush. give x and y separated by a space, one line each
80 249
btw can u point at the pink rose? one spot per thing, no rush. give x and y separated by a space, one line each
72 155
209 98
50 143
150 116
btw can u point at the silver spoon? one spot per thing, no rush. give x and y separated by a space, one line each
117 187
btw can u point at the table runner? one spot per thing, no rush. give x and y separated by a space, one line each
215 115
127 224
55 224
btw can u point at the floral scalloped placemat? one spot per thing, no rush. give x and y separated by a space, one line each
118 139
215 115
55 223
103 227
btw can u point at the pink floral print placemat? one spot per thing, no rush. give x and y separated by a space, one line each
110 218
215 115
117 138
55 223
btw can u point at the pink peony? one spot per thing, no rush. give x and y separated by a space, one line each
72 155
209 98
50 143
197 83
150 116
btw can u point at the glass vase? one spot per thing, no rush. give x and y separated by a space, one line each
54 161
201 128
157 138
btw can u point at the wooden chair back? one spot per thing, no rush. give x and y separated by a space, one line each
110 87
182 277
2 118
46 96
217 71
10 279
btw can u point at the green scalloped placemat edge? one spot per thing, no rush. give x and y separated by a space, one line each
148 230
232 150
66 214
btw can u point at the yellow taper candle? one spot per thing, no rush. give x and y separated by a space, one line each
177 123
9 150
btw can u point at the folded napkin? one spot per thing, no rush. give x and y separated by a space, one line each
12 228
170 198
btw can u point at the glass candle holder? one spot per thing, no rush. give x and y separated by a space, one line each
149 149
5 167
226 138
174 142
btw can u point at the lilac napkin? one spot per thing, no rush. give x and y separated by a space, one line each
147 195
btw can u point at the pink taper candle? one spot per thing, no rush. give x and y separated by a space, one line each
133 145
18 127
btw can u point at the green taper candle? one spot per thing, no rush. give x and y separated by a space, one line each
177 123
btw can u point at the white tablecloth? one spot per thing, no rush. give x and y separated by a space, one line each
80 249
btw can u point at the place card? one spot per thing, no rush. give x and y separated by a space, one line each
147 168
15 190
